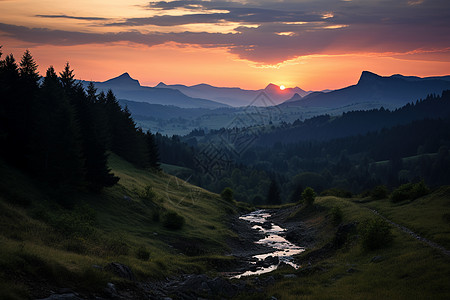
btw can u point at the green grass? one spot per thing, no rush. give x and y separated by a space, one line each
427 216
42 241
408 269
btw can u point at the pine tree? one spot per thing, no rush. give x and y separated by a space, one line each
28 70
153 153
57 151
273 195
67 77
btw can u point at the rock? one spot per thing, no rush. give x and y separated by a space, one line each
194 282
69 296
126 198
377 259
270 260
267 225
221 286
111 290
290 276
351 270
120 270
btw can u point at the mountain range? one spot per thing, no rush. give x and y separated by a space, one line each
390 92
371 91
125 87
236 96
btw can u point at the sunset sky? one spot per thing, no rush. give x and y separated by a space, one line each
313 44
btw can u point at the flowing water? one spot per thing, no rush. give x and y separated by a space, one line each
283 249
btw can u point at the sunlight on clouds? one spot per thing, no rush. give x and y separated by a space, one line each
289 33
327 16
295 23
335 26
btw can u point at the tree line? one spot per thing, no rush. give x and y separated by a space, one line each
60 132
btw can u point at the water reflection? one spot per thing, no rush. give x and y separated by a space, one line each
283 249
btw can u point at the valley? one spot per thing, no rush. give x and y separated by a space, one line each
164 195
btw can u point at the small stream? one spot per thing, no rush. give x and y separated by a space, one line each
283 249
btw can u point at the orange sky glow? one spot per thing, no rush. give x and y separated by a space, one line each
192 42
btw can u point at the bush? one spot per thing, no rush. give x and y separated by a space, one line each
337 215
142 253
172 220
116 245
375 234
227 194
379 192
148 195
419 189
410 191
308 196
81 221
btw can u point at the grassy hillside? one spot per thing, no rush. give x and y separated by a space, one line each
405 269
44 245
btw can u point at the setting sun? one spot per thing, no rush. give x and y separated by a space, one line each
282 87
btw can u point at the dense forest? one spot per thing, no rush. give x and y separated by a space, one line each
60 133
351 153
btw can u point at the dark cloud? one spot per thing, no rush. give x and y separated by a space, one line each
240 15
72 17
316 27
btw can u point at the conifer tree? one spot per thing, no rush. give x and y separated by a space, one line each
273 195
153 153
28 69
67 77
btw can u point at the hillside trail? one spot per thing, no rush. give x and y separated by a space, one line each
413 234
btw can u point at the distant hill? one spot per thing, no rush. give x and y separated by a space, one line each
389 92
236 96
326 127
125 87
144 110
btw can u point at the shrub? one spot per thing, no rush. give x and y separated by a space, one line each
227 194
80 221
410 191
337 215
142 253
172 220
148 195
379 192
308 196
402 192
116 245
375 234
419 189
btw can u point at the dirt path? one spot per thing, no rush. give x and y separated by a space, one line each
413 234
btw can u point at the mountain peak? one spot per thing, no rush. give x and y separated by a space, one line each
161 85
124 79
367 76
271 86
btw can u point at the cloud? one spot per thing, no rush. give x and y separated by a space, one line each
241 15
72 17
280 31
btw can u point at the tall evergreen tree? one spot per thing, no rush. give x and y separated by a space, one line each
28 70
153 153
57 150
273 195
67 77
